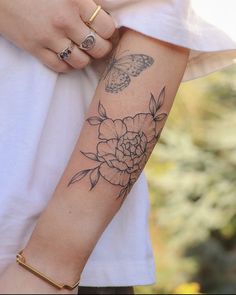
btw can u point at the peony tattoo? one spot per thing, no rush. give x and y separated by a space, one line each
124 146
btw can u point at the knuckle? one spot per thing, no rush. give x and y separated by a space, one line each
83 63
109 31
44 39
58 67
72 5
101 51
53 64
71 2
64 14
60 21
98 53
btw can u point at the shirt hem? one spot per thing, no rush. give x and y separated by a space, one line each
114 274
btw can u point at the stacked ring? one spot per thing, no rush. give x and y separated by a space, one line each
93 16
88 42
65 53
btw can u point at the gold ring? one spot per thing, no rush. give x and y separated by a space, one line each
94 15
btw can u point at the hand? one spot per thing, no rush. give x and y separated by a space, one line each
17 280
45 28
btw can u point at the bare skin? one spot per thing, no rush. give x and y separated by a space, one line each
124 122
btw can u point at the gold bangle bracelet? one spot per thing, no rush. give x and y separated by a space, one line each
20 259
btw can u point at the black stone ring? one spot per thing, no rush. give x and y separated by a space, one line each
65 54
89 41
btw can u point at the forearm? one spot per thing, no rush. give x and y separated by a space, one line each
123 124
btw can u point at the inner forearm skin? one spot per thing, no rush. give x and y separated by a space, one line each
124 122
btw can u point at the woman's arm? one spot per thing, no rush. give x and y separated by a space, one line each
124 122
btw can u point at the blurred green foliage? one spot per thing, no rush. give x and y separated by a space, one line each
192 180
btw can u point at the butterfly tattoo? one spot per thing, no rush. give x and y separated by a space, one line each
120 70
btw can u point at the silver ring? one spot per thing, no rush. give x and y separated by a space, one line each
65 54
89 41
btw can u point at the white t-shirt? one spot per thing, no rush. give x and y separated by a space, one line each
41 114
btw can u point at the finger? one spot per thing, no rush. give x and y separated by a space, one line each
76 30
77 58
51 60
79 32
103 23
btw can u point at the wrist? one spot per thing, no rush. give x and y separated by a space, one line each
53 249
17 280
65 236
49 260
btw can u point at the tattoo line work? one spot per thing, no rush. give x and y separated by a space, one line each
124 146
120 70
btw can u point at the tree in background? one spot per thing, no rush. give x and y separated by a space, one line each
192 178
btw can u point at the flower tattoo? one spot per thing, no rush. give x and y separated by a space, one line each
124 146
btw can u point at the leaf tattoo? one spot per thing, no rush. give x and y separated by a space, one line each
94 177
78 176
95 120
123 147
102 111
90 156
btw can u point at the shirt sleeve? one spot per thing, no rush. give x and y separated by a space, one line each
195 24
